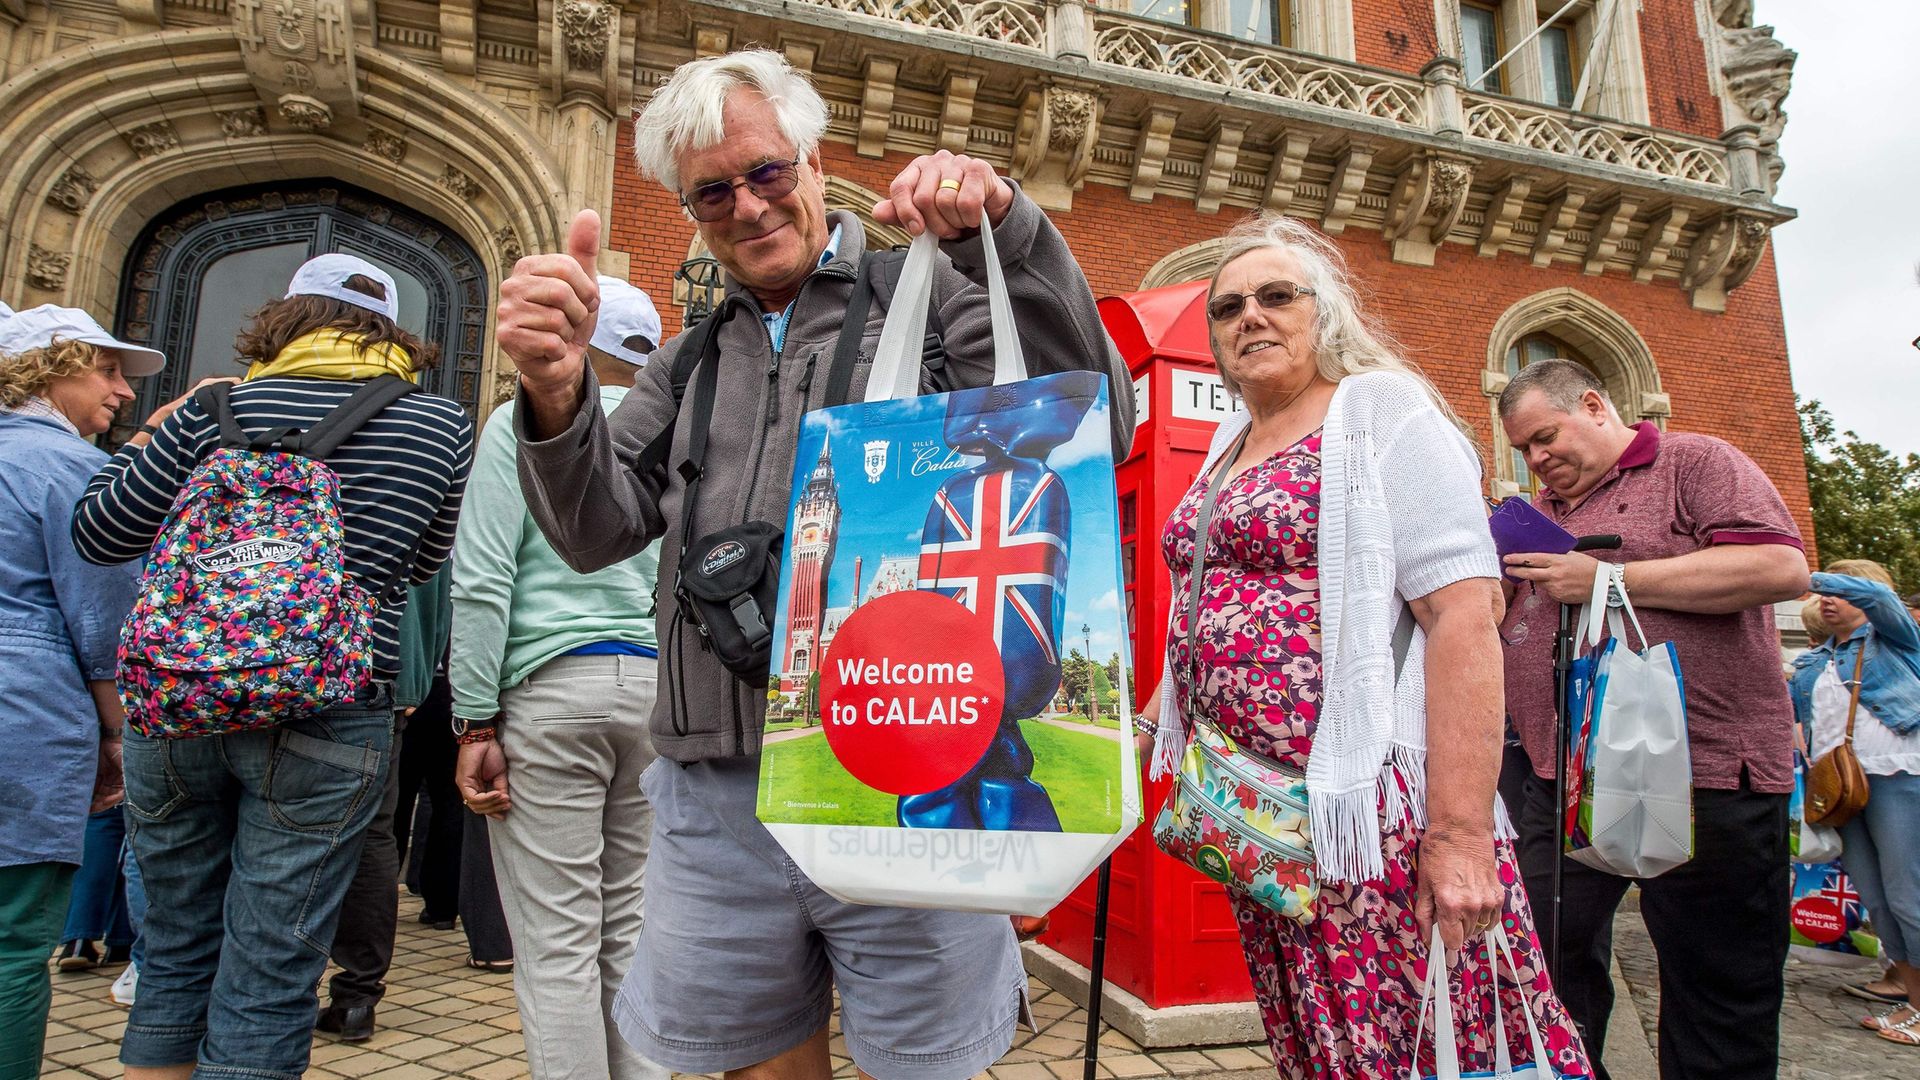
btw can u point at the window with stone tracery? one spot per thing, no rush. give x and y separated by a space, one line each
1269 22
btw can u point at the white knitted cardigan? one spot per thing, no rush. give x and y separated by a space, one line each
1400 516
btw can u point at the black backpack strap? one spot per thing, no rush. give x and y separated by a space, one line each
213 401
322 439
692 468
703 342
933 350
846 351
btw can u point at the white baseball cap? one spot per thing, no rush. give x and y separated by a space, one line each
38 327
625 313
326 275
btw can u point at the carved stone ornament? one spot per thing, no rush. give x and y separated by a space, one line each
385 144
47 269
505 385
459 183
1759 73
507 238
1450 180
1069 113
583 25
72 190
243 123
150 139
305 113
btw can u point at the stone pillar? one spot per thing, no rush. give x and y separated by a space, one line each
1071 35
1445 114
1744 172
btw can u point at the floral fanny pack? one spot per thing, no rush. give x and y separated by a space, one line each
1234 815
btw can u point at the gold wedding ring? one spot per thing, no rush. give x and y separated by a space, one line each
949 184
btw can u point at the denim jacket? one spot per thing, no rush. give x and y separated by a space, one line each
1890 682
60 622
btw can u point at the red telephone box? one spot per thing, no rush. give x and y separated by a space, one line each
1171 938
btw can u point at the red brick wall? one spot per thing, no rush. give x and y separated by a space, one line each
1727 374
1679 97
1394 34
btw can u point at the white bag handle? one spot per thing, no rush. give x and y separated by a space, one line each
1608 578
896 360
1437 996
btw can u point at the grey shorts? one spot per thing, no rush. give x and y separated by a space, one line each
739 953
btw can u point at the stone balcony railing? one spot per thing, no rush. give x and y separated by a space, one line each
1167 109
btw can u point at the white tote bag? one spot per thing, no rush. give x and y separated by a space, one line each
957 549
1632 769
1436 1000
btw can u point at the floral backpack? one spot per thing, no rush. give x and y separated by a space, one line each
246 616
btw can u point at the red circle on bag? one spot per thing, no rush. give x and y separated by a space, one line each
911 692
1819 920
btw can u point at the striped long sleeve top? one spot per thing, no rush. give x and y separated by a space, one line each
401 479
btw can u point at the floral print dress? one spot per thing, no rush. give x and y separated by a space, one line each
1340 996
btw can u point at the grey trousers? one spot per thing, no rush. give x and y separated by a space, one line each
571 854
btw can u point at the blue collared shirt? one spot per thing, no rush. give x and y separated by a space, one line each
60 620
1890 681
777 320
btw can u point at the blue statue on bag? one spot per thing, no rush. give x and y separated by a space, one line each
996 539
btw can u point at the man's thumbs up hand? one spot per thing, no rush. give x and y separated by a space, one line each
546 318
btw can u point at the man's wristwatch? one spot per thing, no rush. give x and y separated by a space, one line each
471 731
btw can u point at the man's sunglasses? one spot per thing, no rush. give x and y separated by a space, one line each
1271 296
711 202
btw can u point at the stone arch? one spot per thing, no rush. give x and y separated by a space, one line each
179 116
840 195
1190 263
1604 338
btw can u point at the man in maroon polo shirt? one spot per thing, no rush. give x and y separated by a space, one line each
1709 547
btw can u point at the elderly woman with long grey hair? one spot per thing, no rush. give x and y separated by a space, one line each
1349 501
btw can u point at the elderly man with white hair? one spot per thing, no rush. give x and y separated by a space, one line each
740 953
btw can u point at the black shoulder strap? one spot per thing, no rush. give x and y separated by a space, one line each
702 342
846 351
692 468
933 350
213 401
322 439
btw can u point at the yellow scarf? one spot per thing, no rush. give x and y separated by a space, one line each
329 354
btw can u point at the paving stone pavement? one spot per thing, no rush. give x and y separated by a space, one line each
442 1019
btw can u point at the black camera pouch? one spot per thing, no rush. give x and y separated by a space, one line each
729 582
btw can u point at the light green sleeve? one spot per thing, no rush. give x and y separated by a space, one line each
485 559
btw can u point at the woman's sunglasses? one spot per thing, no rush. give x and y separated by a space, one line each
711 202
1271 296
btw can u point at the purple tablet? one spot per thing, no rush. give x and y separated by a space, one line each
1518 528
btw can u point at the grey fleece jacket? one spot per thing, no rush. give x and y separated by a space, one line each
596 510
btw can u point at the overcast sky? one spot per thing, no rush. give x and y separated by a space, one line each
1847 266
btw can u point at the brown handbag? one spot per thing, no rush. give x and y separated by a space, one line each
1836 784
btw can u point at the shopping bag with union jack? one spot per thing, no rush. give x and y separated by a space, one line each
948 708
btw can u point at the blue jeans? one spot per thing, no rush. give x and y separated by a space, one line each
1883 861
98 910
136 897
246 844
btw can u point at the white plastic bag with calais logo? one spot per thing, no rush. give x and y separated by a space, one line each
948 709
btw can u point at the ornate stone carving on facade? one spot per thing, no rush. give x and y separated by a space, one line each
299 54
459 183
1427 199
507 239
150 139
47 269
1069 115
1722 256
1759 73
243 123
1053 143
385 144
583 28
305 113
506 383
1283 175
1150 153
956 112
1608 231
1657 243
72 190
